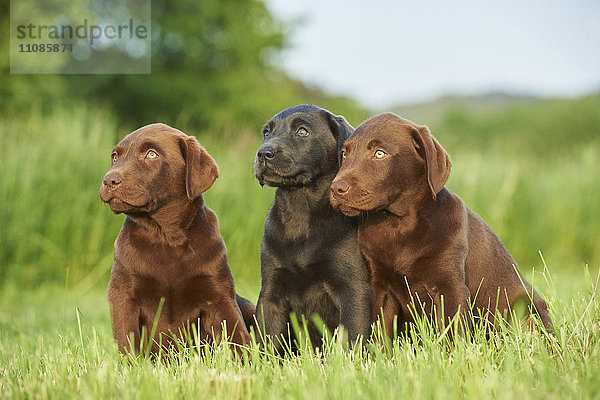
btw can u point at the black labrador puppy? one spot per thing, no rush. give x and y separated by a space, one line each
310 259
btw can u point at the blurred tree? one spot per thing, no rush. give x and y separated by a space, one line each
208 59
212 69
19 92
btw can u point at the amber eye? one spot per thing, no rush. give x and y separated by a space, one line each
151 154
380 154
302 132
114 157
343 153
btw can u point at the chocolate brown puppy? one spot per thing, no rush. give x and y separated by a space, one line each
170 246
423 246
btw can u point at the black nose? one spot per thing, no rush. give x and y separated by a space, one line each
340 187
265 153
112 179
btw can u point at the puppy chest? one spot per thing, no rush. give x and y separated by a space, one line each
392 260
183 298
388 250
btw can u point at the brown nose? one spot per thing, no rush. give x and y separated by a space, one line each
112 180
339 187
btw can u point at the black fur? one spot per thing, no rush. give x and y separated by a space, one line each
310 259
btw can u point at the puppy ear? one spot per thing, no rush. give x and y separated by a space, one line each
340 128
437 160
200 168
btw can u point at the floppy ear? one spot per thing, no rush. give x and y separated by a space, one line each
340 128
200 168
437 160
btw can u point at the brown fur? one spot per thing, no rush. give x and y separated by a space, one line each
421 243
170 246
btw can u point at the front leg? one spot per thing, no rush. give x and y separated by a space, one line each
272 315
248 310
125 313
356 305
386 310
272 308
451 300
225 310
386 307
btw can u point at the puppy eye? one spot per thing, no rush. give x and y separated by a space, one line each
114 157
151 154
380 154
302 132
266 134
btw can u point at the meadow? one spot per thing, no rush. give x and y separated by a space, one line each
530 170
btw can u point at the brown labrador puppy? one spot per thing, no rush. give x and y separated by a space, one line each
423 246
170 246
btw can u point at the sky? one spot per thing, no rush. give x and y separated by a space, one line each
385 52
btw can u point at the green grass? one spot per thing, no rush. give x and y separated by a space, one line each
529 170
46 351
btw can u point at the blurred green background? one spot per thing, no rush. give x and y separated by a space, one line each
530 167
